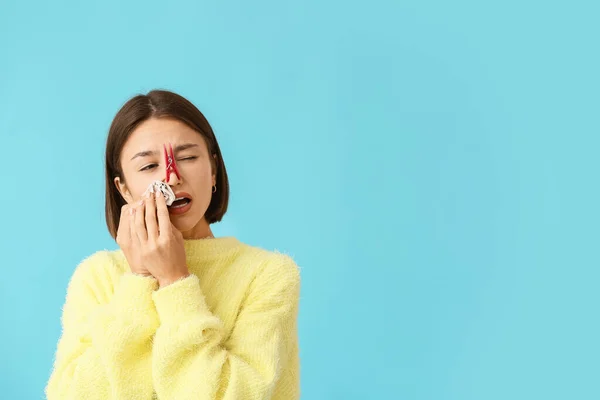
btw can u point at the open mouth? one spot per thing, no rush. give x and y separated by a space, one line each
180 202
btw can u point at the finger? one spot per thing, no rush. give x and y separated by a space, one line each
123 228
140 222
132 231
151 221
164 222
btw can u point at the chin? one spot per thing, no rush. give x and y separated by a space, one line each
185 223
188 221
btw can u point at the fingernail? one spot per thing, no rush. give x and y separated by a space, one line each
131 211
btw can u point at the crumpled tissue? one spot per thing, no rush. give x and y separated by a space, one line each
161 187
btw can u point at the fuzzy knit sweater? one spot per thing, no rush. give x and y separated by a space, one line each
227 331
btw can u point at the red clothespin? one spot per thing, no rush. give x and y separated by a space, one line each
170 163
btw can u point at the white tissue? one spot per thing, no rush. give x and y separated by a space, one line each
164 189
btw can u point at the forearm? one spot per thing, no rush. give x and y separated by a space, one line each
191 360
107 354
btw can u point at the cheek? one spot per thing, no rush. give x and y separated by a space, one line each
197 174
141 184
202 183
137 191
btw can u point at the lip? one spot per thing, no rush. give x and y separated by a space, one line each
184 209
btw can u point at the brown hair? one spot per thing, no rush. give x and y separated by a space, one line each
159 104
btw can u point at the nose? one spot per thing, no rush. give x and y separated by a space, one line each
173 179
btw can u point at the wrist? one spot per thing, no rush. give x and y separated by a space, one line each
168 280
143 274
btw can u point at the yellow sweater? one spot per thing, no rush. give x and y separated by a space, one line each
228 331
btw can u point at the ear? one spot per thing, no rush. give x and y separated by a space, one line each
122 188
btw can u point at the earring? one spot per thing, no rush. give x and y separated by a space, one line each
214 188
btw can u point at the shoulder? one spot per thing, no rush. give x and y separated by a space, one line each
272 262
276 284
275 272
282 266
98 271
101 262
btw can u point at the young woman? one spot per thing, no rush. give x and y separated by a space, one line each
175 313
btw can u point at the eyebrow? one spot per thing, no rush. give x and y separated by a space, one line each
177 149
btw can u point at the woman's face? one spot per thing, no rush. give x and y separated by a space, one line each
143 162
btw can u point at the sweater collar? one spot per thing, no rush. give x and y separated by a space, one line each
210 248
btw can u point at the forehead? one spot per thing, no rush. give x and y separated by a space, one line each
153 133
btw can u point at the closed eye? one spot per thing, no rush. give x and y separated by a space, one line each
188 158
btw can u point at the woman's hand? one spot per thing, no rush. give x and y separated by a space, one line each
127 238
156 244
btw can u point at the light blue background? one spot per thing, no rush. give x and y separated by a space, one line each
431 165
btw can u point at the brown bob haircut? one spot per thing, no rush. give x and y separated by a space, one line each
159 104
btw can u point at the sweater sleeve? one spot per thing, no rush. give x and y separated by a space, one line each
193 359
105 348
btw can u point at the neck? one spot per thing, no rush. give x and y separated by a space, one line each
200 231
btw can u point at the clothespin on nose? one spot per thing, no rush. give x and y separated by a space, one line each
170 163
